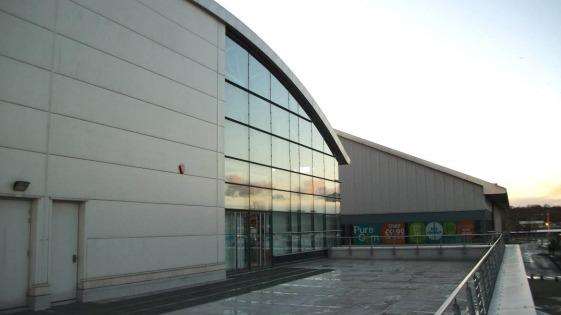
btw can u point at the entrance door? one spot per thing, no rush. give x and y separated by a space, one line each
14 246
259 229
64 268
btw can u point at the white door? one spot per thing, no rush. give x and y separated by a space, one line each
64 251
14 244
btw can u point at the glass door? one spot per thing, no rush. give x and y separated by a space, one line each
259 237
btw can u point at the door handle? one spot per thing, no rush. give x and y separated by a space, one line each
74 258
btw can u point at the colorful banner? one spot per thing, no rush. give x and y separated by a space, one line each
449 229
366 234
434 231
393 233
416 232
465 227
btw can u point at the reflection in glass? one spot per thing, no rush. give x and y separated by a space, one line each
259 78
319 186
329 188
318 168
236 172
260 147
236 63
329 205
279 94
305 160
332 222
235 140
329 167
259 113
302 113
317 139
293 104
294 202
338 206
319 204
281 153
306 203
319 221
281 179
294 182
281 200
279 122
260 175
294 128
281 227
236 197
306 185
337 190
260 199
294 157
305 132
295 222
336 170
236 105
326 148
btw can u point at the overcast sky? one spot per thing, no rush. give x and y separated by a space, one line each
471 85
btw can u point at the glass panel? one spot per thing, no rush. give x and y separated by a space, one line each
281 201
336 170
306 185
293 104
306 203
279 94
337 190
236 63
236 196
294 157
260 175
236 140
230 240
317 139
260 199
305 132
259 113
329 167
259 78
319 221
294 202
281 153
237 101
305 160
338 206
281 227
319 186
319 168
306 223
236 171
295 182
260 147
332 222
329 205
294 128
319 240
295 222
281 179
326 148
329 188
302 113
280 122
319 204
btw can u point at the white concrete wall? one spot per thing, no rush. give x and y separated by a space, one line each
100 101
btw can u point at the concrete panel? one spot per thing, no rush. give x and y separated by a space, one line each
23 127
92 66
143 20
22 165
41 12
82 179
87 27
130 219
25 41
188 16
132 255
78 99
78 138
24 84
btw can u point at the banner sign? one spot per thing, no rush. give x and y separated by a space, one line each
366 234
434 231
393 233
416 232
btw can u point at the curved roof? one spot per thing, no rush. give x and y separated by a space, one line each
258 47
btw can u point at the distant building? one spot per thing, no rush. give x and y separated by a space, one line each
387 192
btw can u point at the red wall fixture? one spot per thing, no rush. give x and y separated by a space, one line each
393 233
181 168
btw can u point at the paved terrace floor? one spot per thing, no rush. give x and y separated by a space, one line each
352 287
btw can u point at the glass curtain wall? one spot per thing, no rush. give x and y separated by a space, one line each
276 162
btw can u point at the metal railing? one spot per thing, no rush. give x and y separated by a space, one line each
474 293
417 240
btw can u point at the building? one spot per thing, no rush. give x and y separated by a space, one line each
149 145
386 191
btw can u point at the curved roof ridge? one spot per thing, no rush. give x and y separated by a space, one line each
317 116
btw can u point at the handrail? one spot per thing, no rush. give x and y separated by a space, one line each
453 296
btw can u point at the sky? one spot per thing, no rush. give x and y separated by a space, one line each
472 85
